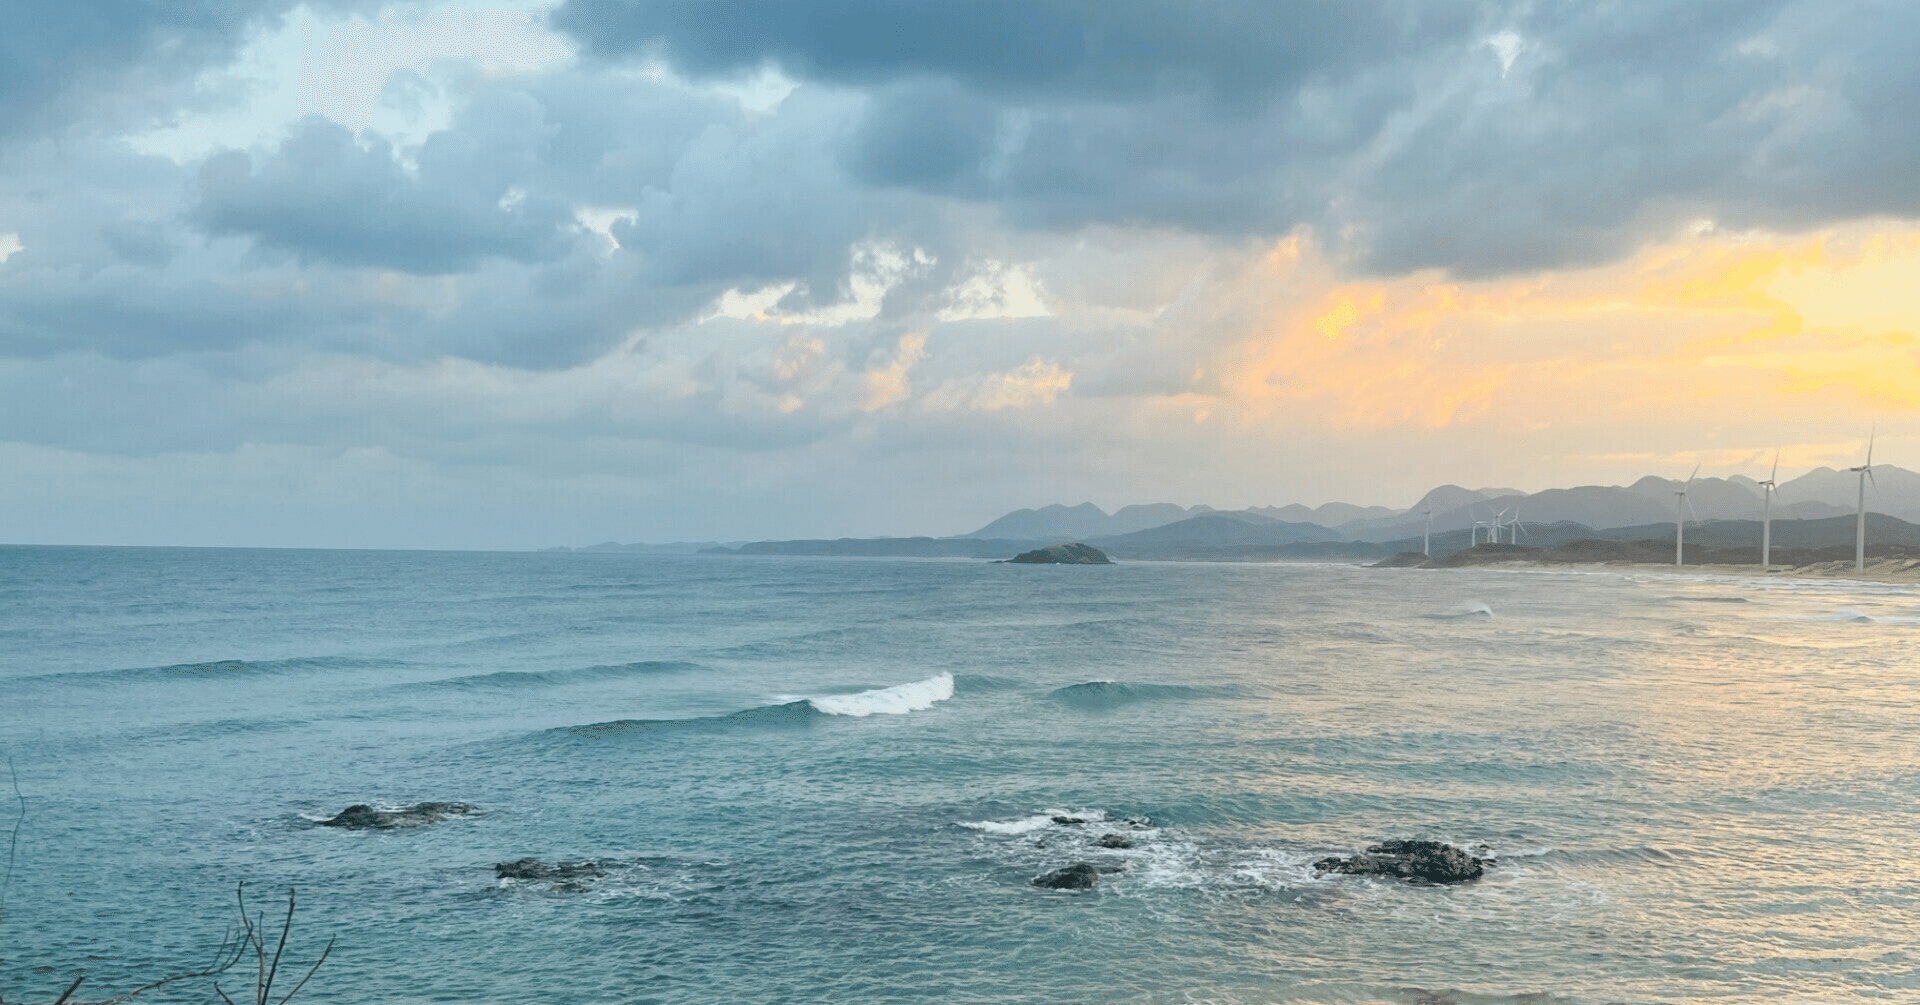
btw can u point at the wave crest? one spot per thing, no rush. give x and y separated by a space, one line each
538 678
897 700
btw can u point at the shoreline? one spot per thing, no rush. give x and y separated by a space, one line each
1893 571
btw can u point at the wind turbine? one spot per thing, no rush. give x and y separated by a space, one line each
1516 528
1474 541
1426 541
1680 500
1497 525
1860 523
1768 487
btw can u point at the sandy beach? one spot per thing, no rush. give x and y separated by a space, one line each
1903 571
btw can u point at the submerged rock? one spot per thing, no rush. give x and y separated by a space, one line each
1064 554
361 816
1114 841
1418 861
1078 876
533 868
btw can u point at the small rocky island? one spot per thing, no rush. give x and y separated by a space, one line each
1064 554
1421 862
360 816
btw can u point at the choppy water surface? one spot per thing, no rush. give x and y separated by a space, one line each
832 781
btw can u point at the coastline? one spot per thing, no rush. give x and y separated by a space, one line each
1895 571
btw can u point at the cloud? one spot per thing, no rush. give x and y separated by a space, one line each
323 197
1484 141
119 63
1236 50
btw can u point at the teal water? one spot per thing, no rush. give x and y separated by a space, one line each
833 780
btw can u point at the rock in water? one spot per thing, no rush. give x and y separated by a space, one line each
360 816
1418 861
1064 554
1078 876
1114 841
533 868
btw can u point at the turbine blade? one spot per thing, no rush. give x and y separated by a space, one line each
1776 466
1696 471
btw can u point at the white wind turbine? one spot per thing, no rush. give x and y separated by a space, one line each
1474 541
1497 524
1681 506
1860 523
1515 528
1426 541
1769 487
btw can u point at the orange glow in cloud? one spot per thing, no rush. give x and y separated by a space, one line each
1713 328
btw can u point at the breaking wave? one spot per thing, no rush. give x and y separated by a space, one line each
1470 609
897 700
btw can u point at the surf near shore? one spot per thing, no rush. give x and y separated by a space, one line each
1889 564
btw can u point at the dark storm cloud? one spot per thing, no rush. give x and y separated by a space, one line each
1062 48
1483 139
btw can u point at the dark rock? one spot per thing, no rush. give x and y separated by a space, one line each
1069 821
533 868
361 816
1114 841
1418 861
1064 554
1078 876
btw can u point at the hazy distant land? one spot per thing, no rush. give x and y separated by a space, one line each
1813 523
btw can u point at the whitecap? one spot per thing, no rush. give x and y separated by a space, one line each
1027 825
897 700
1470 609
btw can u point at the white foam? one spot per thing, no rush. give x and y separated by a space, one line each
1025 825
897 700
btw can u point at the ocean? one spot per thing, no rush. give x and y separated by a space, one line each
834 780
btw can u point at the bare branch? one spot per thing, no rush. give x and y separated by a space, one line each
13 840
71 988
285 927
316 965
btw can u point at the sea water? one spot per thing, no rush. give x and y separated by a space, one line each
833 781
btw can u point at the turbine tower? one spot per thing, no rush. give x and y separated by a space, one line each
1860 522
1768 488
1426 540
1681 506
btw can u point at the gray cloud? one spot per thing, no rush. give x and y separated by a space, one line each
1478 139
323 197
118 61
1237 51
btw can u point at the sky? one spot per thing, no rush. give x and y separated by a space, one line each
353 274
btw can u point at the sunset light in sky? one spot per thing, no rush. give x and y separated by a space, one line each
391 275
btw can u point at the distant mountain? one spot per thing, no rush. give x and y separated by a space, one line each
884 547
1647 501
1218 530
1332 514
1645 509
1073 523
1894 491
